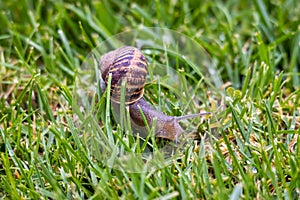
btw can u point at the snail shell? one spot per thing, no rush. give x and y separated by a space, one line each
125 64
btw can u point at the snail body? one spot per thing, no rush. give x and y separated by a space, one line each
166 126
129 64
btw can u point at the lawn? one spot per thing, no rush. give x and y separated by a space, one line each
238 60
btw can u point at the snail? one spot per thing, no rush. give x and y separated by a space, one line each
129 64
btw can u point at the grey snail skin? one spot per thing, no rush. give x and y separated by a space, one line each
129 64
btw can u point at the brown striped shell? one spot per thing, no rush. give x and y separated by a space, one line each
125 64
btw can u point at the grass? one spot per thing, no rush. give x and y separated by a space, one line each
250 148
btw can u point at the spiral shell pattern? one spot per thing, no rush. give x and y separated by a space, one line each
126 64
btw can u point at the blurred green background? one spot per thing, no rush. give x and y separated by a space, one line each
255 45
229 30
